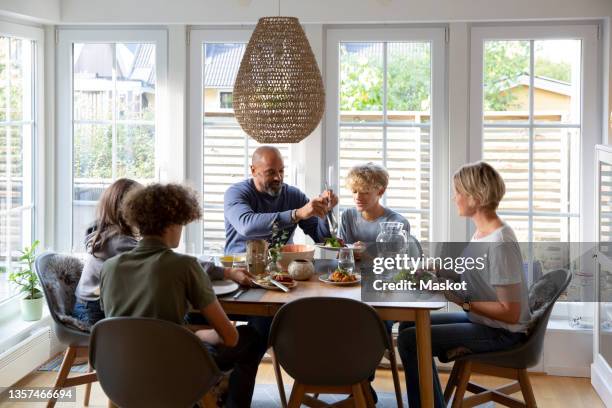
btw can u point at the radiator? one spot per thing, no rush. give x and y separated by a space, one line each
25 356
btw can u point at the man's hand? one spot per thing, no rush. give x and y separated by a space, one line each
330 198
317 207
238 275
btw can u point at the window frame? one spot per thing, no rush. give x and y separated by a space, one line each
37 140
195 138
590 104
437 36
67 36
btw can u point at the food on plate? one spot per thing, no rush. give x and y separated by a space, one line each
341 276
282 278
334 242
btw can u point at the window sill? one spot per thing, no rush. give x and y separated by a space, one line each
13 329
562 325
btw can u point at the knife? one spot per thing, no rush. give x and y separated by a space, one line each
238 294
277 284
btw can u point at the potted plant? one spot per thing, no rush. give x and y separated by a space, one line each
27 281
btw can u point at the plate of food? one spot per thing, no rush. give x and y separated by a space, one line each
284 279
332 244
340 278
224 287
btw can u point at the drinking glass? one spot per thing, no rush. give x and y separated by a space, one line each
346 261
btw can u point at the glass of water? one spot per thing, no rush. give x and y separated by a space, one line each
346 261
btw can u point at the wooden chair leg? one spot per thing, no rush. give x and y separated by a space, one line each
297 395
87 389
526 389
69 357
369 398
279 380
360 401
452 381
462 382
396 381
208 400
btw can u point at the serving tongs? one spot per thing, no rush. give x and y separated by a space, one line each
332 223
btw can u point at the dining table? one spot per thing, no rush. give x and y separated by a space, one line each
403 307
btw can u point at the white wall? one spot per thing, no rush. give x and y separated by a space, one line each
326 11
42 11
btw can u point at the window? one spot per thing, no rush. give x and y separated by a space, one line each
226 100
221 151
18 124
387 91
531 118
114 118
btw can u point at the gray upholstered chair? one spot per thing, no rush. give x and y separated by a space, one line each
330 345
511 364
59 275
151 363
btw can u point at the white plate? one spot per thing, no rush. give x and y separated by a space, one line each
324 279
349 246
270 286
224 287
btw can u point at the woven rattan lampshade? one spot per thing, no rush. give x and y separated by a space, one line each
278 94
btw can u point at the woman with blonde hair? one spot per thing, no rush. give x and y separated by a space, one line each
495 306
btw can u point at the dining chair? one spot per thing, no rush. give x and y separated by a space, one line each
143 362
59 275
510 364
329 345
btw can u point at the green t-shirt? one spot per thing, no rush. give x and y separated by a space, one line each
153 281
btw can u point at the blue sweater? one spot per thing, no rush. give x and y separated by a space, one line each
250 214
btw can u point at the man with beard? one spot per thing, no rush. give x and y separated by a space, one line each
254 205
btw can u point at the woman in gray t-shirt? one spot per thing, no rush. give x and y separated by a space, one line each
495 303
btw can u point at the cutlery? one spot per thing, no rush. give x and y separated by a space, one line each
332 223
239 293
278 284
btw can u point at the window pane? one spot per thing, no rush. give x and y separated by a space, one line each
409 82
506 81
93 81
16 97
114 129
555 229
556 170
557 81
520 225
135 149
16 180
227 149
361 82
605 203
4 78
508 151
409 164
135 81
357 145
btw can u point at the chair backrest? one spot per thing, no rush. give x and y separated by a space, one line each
328 341
542 297
144 362
59 276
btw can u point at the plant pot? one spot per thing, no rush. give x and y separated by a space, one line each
31 309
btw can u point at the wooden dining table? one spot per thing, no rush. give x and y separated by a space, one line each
403 308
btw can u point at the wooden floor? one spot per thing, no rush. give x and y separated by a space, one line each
550 392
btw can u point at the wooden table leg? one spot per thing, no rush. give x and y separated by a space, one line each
423 337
